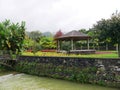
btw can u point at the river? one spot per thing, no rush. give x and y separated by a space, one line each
21 81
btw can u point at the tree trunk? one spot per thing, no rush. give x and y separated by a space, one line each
106 46
98 47
118 49
80 48
94 46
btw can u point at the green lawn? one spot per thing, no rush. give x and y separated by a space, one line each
100 54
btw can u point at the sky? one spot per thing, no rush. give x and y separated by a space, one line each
54 15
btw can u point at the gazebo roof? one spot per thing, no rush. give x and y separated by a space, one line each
76 35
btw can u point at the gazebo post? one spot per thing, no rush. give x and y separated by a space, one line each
72 44
88 44
58 45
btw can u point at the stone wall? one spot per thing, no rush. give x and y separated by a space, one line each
83 70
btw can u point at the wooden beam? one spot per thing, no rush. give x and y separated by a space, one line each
88 44
58 45
72 47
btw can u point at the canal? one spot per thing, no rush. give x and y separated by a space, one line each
20 81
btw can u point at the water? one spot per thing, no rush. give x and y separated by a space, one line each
29 82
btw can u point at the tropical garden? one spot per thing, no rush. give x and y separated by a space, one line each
105 39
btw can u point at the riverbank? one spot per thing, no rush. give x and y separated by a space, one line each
11 81
6 72
104 72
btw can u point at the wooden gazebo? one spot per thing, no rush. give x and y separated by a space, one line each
73 36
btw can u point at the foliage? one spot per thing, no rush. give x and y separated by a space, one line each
58 34
12 36
47 43
66 46
28 43
94 41
101 29
35 41
83 31
109 29
35 48
32 41
34 35
94 37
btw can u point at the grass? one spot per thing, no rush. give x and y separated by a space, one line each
111 54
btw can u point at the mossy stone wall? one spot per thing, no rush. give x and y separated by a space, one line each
83 70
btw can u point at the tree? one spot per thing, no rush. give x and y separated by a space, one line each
28 43
32 41
12 36
58 34
109 29
66 46
47 43
94 34
83 31
34 35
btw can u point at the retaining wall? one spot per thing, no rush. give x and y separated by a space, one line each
83 70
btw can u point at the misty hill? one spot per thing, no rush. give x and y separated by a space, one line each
48 34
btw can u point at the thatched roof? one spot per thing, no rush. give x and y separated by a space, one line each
76 35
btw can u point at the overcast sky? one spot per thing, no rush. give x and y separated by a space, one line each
52 15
